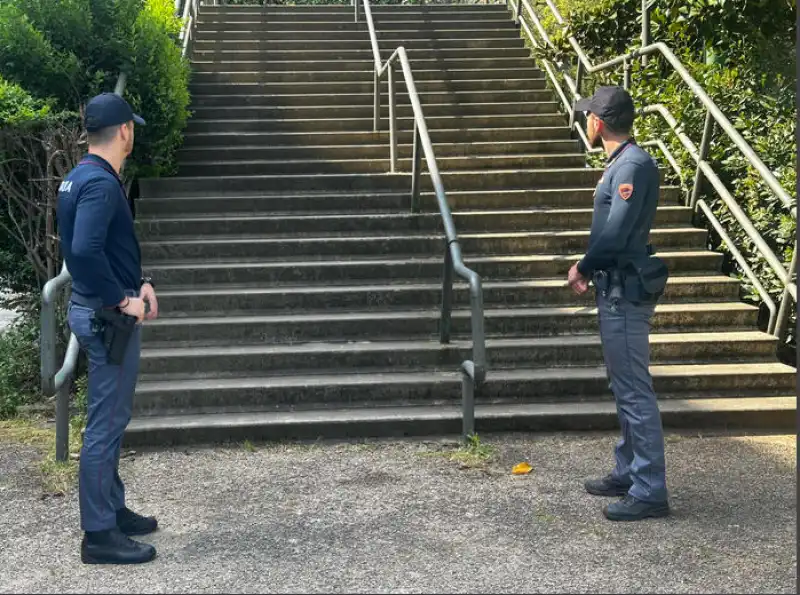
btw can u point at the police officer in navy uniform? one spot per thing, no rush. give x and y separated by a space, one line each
102 253
619 262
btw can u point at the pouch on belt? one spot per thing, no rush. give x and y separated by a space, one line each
645 279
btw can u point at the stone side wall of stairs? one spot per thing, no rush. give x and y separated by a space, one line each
299 296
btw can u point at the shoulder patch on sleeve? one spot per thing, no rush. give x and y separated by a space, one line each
625 191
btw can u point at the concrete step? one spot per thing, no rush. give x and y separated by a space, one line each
344 8
211 153
453 181
330 203
363 44
211 248
694 413
515 83
222 300
396 325
364 63
404 110
433 27
323 393
192 363
418 55
182 274
366 99
363 75
376 165
292 18
388 37
348 138
291 227
365 124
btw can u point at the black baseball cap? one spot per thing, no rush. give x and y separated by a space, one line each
613 105
108 109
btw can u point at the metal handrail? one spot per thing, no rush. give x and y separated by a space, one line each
59 382
191 9
473 371
777 324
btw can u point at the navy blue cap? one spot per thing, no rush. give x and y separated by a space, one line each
108 109
613 105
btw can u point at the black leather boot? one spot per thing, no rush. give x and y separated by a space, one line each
607 486
631 509
114 547
131 523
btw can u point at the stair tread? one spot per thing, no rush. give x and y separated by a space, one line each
543 312
272 289
380 216
445 158
450 412
337 261
491 343
593 372
295 239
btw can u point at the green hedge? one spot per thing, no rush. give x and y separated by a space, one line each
70 50
742 53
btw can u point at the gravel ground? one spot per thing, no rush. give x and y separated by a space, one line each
398 517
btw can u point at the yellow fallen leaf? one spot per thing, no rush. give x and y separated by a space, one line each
521 469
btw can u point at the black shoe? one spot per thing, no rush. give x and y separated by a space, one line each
114 547
131 523
608 486
631 509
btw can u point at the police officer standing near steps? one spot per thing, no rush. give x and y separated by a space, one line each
106 308
628 281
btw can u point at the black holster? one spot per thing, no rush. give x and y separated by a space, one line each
644 278
117 329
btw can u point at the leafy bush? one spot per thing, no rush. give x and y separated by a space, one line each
742 53
68 51
19 365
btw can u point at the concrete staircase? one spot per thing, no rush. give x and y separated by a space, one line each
299 296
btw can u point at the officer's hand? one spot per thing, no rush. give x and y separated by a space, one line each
574 275
148 294
134 307
581 286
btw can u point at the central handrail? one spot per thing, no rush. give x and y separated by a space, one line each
473 371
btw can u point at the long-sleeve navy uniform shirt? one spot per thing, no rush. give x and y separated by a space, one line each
625 204
98 239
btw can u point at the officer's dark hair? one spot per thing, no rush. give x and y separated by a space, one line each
103 135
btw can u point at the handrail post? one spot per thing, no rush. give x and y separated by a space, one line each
518 14
416 166
645 29
573 114
392 121
783 312
355 9
376 118
62 419
626 80
447 297
705 145
467 406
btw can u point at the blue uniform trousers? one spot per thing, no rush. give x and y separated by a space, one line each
640 461
110 401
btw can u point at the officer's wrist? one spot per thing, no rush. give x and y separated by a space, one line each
583 269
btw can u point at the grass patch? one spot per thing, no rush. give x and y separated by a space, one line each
57 478
473 455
